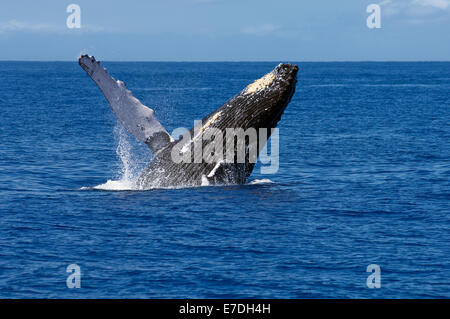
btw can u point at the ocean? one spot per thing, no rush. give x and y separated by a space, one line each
364 178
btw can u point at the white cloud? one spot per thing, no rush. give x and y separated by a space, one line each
441 4
416 11
264 29
15 25
20 26
407 4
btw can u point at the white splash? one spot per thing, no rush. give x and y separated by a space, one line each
129 164
121 185
261 181
205 181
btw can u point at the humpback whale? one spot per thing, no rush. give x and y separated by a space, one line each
258 107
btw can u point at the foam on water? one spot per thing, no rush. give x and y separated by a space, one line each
260 181
120 185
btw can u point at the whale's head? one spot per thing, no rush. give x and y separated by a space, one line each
258 106
268 96
261 103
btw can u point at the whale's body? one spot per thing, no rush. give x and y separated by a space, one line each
258 107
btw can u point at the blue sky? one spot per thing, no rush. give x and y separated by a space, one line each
226 30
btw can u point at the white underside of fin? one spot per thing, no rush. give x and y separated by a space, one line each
138 119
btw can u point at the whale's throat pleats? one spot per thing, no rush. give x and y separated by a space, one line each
138 119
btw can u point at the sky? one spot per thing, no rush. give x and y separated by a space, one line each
226 30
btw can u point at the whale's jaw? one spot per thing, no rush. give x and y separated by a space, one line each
259 106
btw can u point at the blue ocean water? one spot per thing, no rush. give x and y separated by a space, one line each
363 179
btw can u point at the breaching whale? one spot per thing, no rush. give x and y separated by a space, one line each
256 108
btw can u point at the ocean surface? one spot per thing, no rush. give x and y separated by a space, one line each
364 179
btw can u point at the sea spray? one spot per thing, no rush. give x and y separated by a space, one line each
132 159
127 164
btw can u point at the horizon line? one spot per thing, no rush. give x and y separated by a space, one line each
242 61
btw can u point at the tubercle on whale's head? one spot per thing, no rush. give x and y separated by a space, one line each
286 72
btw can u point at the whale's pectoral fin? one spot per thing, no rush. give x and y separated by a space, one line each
138 119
